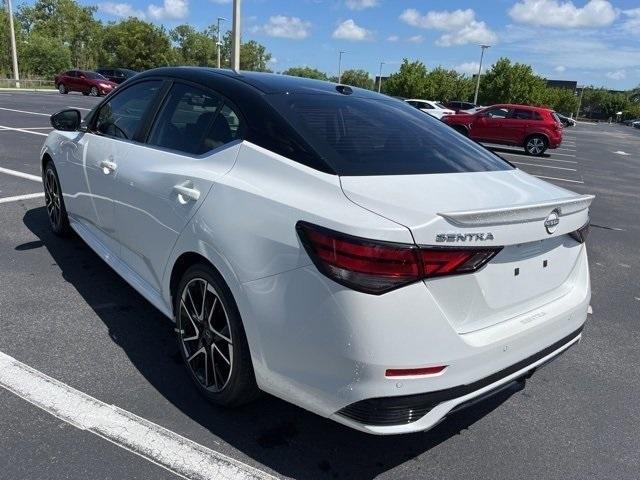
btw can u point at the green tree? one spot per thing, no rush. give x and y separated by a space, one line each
410 81
357 78
192 47
511 83
445 85
43 56
67 22
253 55
306 72
135 44
561 100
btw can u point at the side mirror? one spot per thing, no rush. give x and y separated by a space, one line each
66 120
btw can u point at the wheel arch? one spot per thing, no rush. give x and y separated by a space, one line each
46 158
535 134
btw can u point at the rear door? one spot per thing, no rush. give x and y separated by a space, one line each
516 125
160 185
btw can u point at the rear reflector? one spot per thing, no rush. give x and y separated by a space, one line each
414 372
377 267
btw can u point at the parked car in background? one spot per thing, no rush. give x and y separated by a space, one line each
534 128
330 245
566 121
636 124
89 83
117 75
631 121
458 106
433 108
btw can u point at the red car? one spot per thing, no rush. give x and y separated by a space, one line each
534 128
89 83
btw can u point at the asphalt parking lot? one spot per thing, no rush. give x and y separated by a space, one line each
66 314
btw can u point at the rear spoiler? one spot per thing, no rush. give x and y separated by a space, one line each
518 213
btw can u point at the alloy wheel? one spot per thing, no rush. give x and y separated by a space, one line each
52 198
94 92
205 335
535 146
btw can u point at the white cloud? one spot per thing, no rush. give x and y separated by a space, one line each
560 69
416 39
470 68
170 10
122 10
560 14
360 4
632 23
393 38
461 26
616 75
282 26
349 30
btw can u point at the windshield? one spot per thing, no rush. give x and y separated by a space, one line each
439 105
366 136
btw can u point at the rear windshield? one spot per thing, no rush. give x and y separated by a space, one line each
366 136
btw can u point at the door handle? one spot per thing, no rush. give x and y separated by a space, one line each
186 192
108 166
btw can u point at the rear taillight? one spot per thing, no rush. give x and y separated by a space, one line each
376 267
582 233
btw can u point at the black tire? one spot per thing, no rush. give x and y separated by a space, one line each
202 335
460 129
54 202
536 145
63 89
85 93
94 92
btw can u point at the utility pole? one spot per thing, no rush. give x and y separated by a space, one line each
380 77
14 53
580 102
219 44
235 32
475 98
340 66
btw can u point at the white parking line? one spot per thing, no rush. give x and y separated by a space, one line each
545 166
12 129
21 197
537 159
160 446
24 111
568 149
15 173
562 154
559 179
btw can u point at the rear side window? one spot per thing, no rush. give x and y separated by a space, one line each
365 136
120 117
194 121
521 114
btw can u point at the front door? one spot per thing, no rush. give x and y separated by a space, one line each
111 136
489 125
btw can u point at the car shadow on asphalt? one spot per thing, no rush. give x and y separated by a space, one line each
283 437
499 150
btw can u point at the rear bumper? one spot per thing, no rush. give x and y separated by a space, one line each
410 413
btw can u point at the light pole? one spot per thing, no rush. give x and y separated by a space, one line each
219 44
14 54
340 65
475 98
580 102
380 77
235 57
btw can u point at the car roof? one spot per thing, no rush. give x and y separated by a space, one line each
516 105
267 83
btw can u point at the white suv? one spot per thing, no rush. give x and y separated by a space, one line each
329 245
433 108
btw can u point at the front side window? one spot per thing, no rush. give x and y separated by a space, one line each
194 121
497 113
367 136
120 117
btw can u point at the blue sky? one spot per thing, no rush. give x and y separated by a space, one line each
594 42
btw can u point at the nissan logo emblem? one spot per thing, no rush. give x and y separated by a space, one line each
552 221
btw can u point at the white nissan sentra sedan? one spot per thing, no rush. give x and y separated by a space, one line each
332 246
